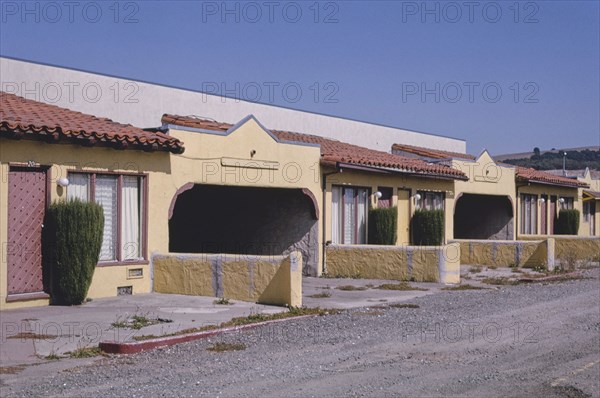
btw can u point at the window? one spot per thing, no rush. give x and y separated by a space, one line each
121 199
385 201
528 214
566 203
349 215
587 211
430 200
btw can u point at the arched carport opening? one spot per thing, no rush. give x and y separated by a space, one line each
245 220
483 217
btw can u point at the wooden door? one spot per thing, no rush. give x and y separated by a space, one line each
403 217
26 209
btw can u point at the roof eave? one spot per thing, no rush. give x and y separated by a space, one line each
389 170
56 135
558 184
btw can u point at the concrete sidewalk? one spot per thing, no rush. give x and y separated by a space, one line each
30 335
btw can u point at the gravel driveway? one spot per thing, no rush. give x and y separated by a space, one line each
534 340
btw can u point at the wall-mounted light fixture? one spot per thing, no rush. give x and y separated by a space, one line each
418 196
63 181
378 195
542 200
561 200
252 153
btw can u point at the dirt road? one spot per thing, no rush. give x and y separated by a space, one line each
531 340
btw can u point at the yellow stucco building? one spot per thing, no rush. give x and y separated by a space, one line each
199 187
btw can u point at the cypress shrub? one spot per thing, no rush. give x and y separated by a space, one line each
427 227
567 223
383 226
73 238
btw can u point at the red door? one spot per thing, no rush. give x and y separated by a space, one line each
26 208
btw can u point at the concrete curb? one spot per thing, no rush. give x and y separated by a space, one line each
134 347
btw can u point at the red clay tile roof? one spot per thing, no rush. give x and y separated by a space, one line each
527 174
431 153
334 152
28 119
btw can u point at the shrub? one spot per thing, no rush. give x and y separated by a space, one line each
383 226
73 238
427 227
567 223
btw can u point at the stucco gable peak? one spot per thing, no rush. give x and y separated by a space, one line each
249 119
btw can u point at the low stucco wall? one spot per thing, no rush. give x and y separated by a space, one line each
506 253
403 263
266 279
108 279
584 247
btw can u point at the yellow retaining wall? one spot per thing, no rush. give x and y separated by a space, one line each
273 280
418 263
584 247
506 253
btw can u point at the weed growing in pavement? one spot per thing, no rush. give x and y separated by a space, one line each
85 352
568 260
350 288
463 287
32 336
475 270
500 281
224 347
12 370
52 356
540 268
342 276
222 301
492 267
250 319
399 286
137 322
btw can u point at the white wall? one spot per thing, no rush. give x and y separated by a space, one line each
143 104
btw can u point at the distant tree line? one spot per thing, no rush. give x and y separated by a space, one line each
554 160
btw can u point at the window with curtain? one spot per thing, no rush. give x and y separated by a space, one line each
130 218
106 196
431 200
528 214
349 215
121 199
79 187
586 211
566 203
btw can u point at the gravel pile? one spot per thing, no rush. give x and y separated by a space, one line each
527 340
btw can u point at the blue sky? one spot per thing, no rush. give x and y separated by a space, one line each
506 76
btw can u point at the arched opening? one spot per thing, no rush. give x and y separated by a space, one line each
483 217
245 220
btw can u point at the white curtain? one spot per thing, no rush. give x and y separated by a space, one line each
361 214
130 218
106 196
79 187
335 215
349 216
